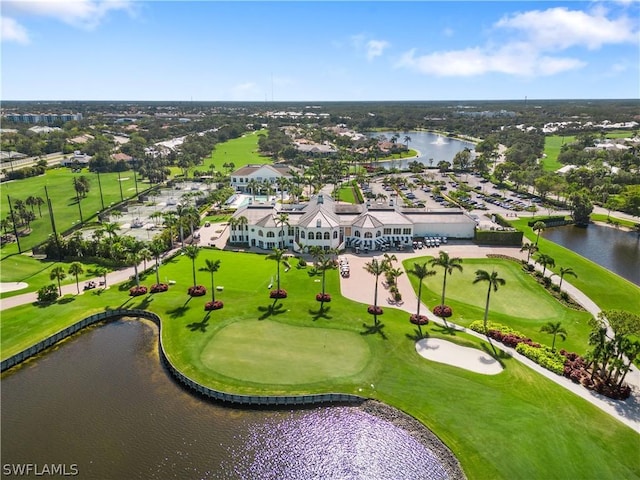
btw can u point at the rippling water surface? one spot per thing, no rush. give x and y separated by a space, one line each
103 402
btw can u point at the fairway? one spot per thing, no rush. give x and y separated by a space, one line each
239 151
274 353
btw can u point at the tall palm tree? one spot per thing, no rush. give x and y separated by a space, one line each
555 329
111 228
277 256
449 264
192 251
494 282
76 269
538 227
420 271
375 268
157 248
546 261
281 220
530 248
407 139
324 264
134 258
211 266
566 271
58 273
252 185
170 221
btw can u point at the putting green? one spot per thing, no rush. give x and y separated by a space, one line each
274 353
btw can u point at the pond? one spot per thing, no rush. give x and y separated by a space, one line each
612 248
432 148
102 403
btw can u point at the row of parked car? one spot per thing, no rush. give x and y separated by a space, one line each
428 242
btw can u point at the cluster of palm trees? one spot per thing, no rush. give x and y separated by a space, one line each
22 216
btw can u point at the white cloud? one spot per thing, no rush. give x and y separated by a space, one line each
86 14
559 28
372 48
375 48
12 31
534 48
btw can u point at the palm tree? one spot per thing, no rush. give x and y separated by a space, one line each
538 227
530 248
277 256
566 271
111 228
76 269
449 264
494 282
145 255
102 272
407 139
134 258
281 220
170 221
58 273
253 185
555 329
545 261
323 265
211 266
420 271
192 251
376 268
157 248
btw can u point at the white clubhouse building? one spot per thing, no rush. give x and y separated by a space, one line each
326 223
241 179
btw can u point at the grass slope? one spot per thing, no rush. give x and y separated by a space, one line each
239 151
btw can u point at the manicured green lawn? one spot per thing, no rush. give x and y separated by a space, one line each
23 268
601 217
270 352
521 303
552 146
59 183
500 426
346 194
605 288
239 151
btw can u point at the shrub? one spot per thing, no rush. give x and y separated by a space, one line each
217 305
197 291
418 319
302 263
48 294
442 311
137 291
374 310
159 287
282 293
323 297
543 356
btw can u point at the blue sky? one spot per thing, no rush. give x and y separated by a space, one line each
322 51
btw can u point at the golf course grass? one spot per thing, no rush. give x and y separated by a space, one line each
522 303
516 424
240 151
552 146
608 290
59 183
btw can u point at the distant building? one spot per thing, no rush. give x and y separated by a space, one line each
47 118
271 173
78 158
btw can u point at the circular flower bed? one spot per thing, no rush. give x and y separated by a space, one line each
282 293
442 311
197 291
159 287
418 319
323 297
217 305
374 310
137 291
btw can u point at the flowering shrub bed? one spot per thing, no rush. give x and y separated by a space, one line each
323 297
418 319
282 293
575 368
137 291
159 287
197 291
543 356
217 305
442 311
374 310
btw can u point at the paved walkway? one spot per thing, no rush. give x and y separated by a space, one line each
360 287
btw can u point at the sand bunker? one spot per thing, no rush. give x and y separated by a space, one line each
463 357
11 286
